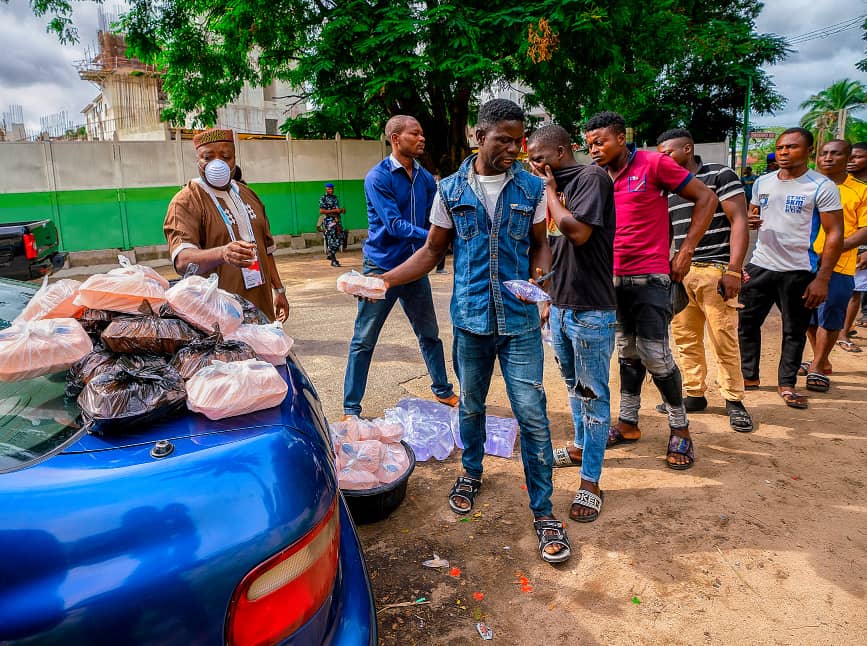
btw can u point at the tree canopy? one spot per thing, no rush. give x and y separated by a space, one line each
662 63
824 108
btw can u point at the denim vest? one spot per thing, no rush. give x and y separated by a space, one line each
487 253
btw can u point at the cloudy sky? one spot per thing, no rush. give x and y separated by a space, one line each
38 73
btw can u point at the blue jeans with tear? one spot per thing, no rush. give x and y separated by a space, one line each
521 363
583 343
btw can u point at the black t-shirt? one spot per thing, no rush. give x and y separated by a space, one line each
584 276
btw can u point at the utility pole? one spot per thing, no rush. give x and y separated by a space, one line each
746 134
842 114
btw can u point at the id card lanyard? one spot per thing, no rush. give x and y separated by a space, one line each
253 274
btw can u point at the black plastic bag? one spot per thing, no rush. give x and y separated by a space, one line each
95 321
102 360
132 393
200 353
147 333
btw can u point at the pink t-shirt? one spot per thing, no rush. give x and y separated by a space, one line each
641 240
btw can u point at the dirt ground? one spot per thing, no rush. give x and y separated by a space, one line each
762 542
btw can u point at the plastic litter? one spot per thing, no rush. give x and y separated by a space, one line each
435 562
485 631
455 572
269 342
35 348
147 333
478 596
136 390
227 389
527 290
53 301
123 289
200 302
356 284
202 352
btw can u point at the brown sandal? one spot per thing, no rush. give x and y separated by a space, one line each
794 400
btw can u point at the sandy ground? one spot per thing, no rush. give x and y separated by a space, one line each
762 542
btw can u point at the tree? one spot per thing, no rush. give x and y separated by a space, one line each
827 111
689 68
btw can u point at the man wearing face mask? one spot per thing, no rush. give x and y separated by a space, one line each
216 225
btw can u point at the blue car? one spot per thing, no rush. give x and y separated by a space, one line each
187 531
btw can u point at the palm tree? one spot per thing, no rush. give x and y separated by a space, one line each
829 109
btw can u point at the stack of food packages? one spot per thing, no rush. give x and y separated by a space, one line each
136 349
369 452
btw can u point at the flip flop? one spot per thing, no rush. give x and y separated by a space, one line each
818 382
794 400
848 346
615 437
562 459
584 498
680 446
803 369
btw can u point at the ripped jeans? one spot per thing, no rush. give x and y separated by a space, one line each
583 343
521 364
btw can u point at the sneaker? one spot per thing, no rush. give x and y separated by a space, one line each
452 400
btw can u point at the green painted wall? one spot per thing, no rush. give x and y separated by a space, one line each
133 217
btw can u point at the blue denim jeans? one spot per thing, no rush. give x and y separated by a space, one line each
521 363
584 342
417 303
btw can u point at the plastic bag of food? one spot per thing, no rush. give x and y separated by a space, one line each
343 432
100 361
95 321
35 348
395 463
500 435
527 290
148 333
133 391
123 289
53 301
252 314
365 455
356 284
390 431
269 342
200 302
235 388
202 352
356 479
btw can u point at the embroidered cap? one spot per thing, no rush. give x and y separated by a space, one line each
212 136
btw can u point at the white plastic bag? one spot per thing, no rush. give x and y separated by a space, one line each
365 455
235 388
35 348
269 342
356 284
356 479
53 301
123 289
395 463
200 302
429 427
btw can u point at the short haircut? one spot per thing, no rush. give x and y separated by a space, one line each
845 143
497 110
806 134
674 133
861 145
397 124
748 168
606 120
552 136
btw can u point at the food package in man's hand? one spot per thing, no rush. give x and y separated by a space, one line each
147 333
394 464
200 302
54 301
363 454
527 290
134 391
356 284
202 352
235 388
35 348
123 289
269 342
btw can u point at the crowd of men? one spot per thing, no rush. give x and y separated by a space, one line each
598 238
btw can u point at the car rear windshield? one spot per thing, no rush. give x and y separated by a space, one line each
35 419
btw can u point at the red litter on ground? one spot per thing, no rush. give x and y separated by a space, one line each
455 572
478 596
524 487
524 582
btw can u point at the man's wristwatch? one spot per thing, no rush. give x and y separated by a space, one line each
279 290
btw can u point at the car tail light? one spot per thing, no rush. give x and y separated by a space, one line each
30 251
278 596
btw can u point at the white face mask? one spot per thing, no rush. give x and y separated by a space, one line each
217 173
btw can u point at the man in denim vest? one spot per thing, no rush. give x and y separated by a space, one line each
493 212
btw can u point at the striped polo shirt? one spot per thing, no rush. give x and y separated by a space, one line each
714 246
